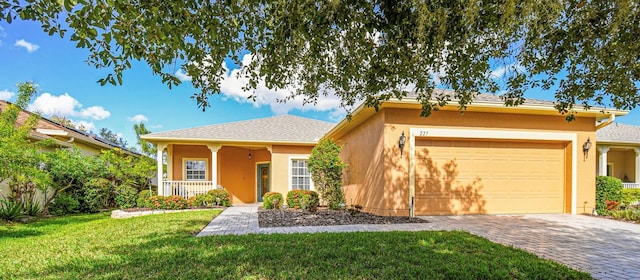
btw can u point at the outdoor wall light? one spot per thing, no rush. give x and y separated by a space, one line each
250 156
586 146
401 143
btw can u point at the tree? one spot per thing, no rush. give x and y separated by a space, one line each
326 168
112 137
147 148
20 160
371 50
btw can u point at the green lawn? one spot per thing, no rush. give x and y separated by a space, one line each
163 247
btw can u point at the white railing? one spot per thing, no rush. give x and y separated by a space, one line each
631 185
187 189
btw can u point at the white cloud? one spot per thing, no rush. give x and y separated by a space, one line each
182 76
67 106
231 86
87 126
6 94
30 47
501 71
2 34
138 118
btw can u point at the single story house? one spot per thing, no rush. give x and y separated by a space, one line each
62 136
619 153
490 160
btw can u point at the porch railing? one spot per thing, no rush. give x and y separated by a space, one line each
631 185
187 189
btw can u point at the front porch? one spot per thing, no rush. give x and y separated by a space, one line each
622 162
193 169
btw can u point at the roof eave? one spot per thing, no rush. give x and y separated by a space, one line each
186 140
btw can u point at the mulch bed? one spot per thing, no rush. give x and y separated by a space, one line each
325 217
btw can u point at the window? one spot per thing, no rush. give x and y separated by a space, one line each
195 170
300 176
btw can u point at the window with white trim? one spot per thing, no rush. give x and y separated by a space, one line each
195 170
300 176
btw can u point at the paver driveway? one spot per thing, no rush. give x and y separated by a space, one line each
605 248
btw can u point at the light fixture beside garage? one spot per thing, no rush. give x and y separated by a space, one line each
401 142
250 156
585 148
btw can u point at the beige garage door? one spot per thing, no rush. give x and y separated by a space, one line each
489 177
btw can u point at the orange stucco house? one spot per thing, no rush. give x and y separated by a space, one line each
490 160
619 153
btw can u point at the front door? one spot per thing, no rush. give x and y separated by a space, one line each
263 180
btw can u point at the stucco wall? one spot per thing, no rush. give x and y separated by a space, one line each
397 120
280 165
623 163
363 152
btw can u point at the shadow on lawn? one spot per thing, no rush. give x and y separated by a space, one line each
35 228
394 255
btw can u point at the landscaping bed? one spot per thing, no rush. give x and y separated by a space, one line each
325 217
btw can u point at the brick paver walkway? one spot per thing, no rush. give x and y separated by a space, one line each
605 248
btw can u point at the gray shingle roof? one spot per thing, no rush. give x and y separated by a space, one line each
283 128
619 133
483 97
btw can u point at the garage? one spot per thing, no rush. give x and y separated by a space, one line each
480 176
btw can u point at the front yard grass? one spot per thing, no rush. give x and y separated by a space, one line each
164 247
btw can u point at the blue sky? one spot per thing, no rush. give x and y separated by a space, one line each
69 88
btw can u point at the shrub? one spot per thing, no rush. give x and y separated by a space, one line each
628 214
32 208
272 200
630 197
126 196
221 197
143 196
64 204
10 210
206 199
607 189
174 202
303 199
94 195
326 168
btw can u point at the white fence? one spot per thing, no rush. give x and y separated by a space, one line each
631 185
187 189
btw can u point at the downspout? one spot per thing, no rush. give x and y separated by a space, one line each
611 118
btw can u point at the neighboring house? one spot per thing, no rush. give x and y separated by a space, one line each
63 137
619 153
490 160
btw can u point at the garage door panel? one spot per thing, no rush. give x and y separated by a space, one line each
493 177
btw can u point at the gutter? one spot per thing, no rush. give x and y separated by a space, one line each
612 117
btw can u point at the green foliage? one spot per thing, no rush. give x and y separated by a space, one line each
173 202
20 159
94 195
112 137
630 197
64 204
126 197
272 200
326 168
607 189
344 47
10 210
221 197
143 195
303 199
147 148
32 208
627 214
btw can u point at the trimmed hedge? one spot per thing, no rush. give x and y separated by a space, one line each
608 189
303 199
630 197
272 200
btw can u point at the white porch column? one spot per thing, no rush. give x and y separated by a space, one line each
637 178
159 162
214 163
602 160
